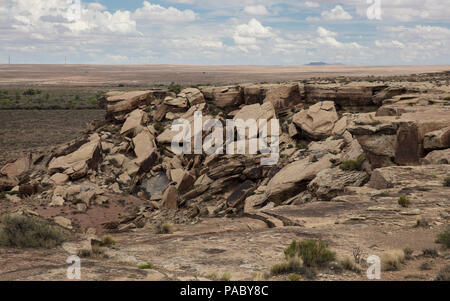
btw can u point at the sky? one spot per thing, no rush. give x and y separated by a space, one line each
225 32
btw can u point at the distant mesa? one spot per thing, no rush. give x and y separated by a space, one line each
321 64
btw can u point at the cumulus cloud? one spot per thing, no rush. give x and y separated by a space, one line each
327 38
337 13
252 31
155 12
218 32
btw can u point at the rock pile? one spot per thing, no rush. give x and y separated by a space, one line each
123 173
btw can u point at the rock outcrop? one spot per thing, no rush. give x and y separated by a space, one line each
318 121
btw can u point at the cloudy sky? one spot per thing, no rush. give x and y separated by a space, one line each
262 32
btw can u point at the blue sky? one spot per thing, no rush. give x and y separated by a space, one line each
261 32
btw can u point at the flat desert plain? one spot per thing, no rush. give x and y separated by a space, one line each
88 75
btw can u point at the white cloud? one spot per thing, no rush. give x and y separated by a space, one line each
249 33
337 13
312 4
389 44
155 12
327 38
257 10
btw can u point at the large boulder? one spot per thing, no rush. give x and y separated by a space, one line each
183 179
170 198
438 157
145 150
294 178
408 176
119 104
318 121
18 167
134 123
193 95
77 164
256 112
224 97
329 183
439 139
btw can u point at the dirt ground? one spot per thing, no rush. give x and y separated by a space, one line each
88 75
30 130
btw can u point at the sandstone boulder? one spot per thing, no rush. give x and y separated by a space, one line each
59 179
193 95
318 121
134 123
145 150
329 146
224 97
120 103
439 139
77 164
438 157
329 183
17 168
183 179
294 178
170 198
408 176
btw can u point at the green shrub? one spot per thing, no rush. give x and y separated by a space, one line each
294 277
147 266
27 232
29 92
408 253
404 201
430 253
164 229
446 182
108 241
313 253
444 238
94 253
175 88
352 165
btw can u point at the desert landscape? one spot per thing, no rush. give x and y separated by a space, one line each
89 171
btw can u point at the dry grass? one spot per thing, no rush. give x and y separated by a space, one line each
393 260
349 264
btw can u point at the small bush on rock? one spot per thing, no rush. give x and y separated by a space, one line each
404 201
446 182
353 165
